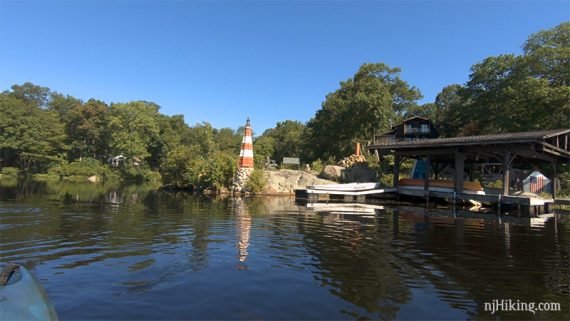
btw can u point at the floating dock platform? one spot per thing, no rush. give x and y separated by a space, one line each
335 194
347 193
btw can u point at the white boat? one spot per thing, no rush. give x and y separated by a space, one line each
351 187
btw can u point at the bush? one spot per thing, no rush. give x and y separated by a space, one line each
80 169
545 195
387 179
176 166
318 166
498 184
219 170
139 174
330 161
257 181
10 171
184 167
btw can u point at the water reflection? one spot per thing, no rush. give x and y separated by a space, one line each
142 254
483 257
356 263
243 226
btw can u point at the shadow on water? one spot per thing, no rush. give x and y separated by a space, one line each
131 252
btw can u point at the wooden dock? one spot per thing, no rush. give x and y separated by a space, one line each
483 198
524 204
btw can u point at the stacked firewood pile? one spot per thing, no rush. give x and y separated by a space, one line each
352 160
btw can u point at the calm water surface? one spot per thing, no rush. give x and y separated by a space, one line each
133 253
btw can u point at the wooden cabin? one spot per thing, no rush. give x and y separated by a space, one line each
413 128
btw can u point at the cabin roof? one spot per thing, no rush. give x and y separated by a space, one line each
407 120
414 117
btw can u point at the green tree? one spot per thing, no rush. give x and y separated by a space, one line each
219 170
263 148
450 105
173 133
37 96
27 131
228 140
177 166
548 54
282 141
87 128
63 105
133 128
429 111
511 93
203 135
363 105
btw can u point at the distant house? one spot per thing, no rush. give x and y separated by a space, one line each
117 161
120 161
413 128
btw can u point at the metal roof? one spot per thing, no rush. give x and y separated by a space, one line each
506 138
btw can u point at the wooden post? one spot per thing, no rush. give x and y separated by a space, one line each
426 181
427 172
554 182
506 173
459 169
436 171
377 155
396 170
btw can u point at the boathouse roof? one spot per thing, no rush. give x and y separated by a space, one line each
493 138
555 143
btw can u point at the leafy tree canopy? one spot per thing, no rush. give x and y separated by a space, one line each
510 93
363 105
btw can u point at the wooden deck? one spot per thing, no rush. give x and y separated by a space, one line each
486 198
522 203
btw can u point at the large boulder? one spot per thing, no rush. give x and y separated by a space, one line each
359 174
287 181
332 172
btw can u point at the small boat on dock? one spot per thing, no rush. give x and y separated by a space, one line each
350 187
352 192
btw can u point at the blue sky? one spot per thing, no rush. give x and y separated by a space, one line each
223 61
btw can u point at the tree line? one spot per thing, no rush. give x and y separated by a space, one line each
505 93
42 131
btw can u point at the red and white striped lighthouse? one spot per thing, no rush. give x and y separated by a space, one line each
246 151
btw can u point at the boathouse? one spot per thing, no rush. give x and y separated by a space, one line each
417 138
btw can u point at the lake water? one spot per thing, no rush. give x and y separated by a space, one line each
134 253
